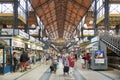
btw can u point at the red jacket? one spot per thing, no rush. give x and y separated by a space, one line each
71 61
87 58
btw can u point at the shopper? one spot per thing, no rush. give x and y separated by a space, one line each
82 60
15 61
47 56
23 61
54 62
33 57
87 58
71 60
66 65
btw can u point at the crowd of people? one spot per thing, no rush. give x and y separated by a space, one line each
23 61
68 61
85 60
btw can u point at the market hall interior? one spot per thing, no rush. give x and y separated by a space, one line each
37 36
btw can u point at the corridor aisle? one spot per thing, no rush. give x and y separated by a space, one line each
60 76
42 72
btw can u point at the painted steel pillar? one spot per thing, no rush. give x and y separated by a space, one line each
117 28
26 28
15 12
95 19
11 56
27 13
106 19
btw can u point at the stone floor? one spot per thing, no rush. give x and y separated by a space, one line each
42 72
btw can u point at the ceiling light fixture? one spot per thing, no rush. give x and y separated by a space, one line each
90 22
85 26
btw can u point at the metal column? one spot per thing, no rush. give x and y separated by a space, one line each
27 13
106 20
15 8
26 25
117 27
95 19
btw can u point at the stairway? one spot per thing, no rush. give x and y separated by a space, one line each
111 41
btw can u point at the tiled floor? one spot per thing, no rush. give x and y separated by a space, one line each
60 76
110 74
42 72
35 73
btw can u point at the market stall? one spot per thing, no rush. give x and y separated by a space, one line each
15 39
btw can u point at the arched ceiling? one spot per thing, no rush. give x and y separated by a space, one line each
60 17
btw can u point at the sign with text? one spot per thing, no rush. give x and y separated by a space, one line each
95 48
99 61
18 44
7 32
23 34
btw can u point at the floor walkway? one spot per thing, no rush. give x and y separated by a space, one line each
42 72
59 74
110 74
82 74
35 73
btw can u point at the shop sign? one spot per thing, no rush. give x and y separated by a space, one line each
88 32
95 39
18 44
99 61
23 34
94 48
7 32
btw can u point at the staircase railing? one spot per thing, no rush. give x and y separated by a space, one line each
112 41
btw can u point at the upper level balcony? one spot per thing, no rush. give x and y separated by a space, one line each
114 13
7 15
